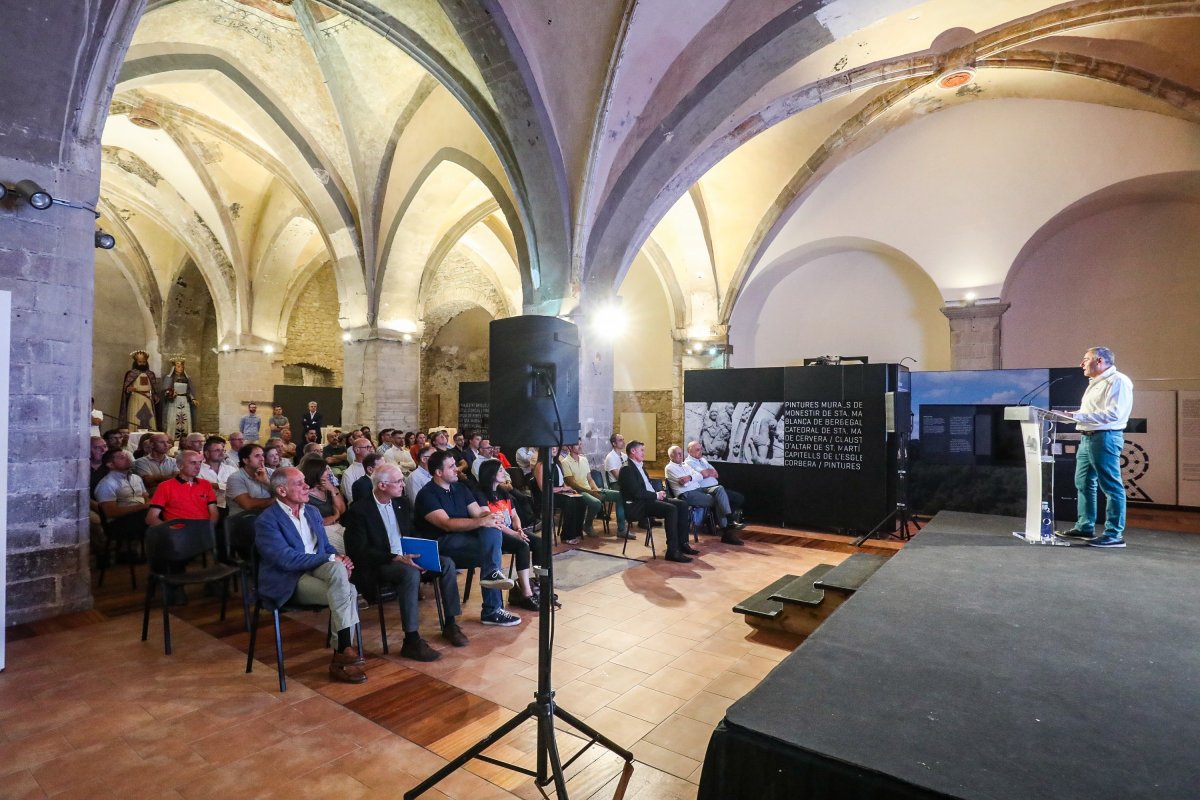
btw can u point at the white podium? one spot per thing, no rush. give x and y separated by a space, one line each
1038 432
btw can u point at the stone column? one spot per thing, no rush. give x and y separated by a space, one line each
381 387
595 392
975 334
245 375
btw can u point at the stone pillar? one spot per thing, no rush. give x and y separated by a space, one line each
595 393
246 375
975 334
381 387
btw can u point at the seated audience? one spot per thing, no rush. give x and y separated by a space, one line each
236 442
122 496
419 441
215 469
272 459
400 456
447 511
578 474
363 485
287 448
323 494
297 562
374 528
96 468
615 459
698 491
335 452
565 498
420 476
516 541
362 448
644 500
156 466
249 489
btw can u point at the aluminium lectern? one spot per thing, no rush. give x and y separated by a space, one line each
1038 433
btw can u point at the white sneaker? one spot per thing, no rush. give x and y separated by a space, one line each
496 580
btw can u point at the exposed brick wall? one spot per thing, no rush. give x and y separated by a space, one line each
313 334
660 402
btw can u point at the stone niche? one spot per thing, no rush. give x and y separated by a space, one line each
669 428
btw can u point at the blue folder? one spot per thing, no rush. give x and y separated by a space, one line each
426 551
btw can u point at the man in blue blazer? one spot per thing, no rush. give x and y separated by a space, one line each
297 562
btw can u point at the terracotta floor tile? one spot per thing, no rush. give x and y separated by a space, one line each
706 707
665 760
19 755
84 766
705 664
613 677
592 623
682 735
586 655
676 682
20 785
753 666
622 728
643 659
669 643
583 699
615 639
646 704
731 685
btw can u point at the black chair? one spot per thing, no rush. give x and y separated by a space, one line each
170 545
606 506
239 551
119 535
387 592
698 516
645 519
260 603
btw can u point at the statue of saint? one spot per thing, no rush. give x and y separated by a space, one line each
178 402
139 396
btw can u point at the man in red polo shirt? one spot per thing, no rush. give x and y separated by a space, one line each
186 496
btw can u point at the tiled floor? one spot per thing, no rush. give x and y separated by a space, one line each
651 657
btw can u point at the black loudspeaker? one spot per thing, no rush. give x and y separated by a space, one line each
529 355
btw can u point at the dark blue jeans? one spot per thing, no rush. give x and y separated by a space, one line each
1098 463
477 548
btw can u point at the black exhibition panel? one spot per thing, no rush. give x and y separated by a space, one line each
474 409
295 400
837 464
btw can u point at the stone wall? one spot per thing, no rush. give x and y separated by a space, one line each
442 369
669 426
314 337
118 330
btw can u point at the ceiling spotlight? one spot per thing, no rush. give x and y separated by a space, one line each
105 240
268 349
346 337
36 196
3 191
224 348
408 337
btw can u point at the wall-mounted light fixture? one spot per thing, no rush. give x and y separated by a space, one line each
33 194
104 239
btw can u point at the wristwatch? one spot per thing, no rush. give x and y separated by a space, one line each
333 556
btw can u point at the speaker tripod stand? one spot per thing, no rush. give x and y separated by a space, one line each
550 768
900 514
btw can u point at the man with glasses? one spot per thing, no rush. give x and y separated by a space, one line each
375 527
1100 420
362 448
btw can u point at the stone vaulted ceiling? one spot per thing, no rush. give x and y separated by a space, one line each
552 142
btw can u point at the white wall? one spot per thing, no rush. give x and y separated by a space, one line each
642 356
840 298
1125 277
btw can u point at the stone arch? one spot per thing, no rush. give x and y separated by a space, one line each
457 158
842 296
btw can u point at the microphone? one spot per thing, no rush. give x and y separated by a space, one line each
1047 383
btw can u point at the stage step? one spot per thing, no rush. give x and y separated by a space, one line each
760 603
849 576
803 590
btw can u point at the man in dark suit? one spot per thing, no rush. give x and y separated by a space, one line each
645 501
311 420
374 527
296 561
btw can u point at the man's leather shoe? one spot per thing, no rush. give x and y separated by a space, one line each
419 650
729 537
690 551
736 526
454 635
349 659
626 535
678 558
347 673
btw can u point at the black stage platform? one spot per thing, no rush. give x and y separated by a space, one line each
973 665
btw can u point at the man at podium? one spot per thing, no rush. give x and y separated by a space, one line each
1101 420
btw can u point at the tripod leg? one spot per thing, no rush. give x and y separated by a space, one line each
591 732
476 749
550 749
